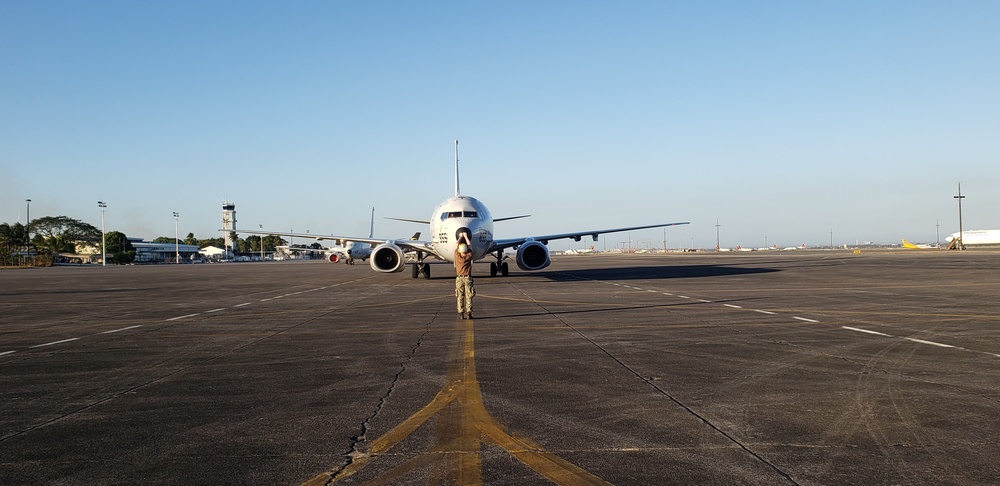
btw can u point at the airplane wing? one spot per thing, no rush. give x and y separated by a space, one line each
544 239
408 245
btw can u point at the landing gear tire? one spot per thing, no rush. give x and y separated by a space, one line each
504 269
493 269
426 271
416 270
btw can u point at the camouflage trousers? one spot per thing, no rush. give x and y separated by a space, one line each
464 292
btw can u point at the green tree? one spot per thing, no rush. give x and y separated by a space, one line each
54 244
254 243
239 244
61 234
190 239
119 248
273 241
69 229
164 239
13 242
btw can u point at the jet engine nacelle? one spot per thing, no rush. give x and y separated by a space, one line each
388 258
533 255
334 258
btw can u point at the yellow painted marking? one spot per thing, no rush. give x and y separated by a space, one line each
462 424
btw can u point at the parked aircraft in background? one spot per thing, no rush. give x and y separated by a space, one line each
463 214
348 251
800 247
974 237
581 251
911 246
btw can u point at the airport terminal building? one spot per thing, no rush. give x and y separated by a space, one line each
146 252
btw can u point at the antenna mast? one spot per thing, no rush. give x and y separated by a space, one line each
456 169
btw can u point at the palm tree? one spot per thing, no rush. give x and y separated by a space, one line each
13 240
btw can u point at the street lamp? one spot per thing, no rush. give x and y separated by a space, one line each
104 250
717 242
177 244
261 242
27 217
961 240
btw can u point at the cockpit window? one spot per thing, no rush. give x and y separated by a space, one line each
459 214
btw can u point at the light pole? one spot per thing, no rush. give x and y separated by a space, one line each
177 243
104 244
961 240
261 242
717 242
27 226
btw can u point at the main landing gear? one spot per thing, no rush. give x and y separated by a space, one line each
421 268
499 266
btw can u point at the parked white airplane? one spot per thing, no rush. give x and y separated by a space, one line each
462 214
976 237
348 251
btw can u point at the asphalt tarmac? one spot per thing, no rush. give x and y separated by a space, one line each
799 367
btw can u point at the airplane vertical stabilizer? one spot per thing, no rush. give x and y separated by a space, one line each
456 169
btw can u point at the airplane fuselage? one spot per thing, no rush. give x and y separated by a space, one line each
461 214
977 237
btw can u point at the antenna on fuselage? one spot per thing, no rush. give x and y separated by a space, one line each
456 169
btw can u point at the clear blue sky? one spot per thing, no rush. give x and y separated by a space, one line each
781 120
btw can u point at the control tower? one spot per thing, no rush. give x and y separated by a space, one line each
229 222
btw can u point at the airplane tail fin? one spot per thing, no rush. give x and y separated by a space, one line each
456 169
907 244
371 229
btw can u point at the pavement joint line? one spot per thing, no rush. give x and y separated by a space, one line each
241 305
54 342
932 343
867 331
734 306
5 353
683 297
667 293
804 319
182 317
122 329
705 301
765 312
215 310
